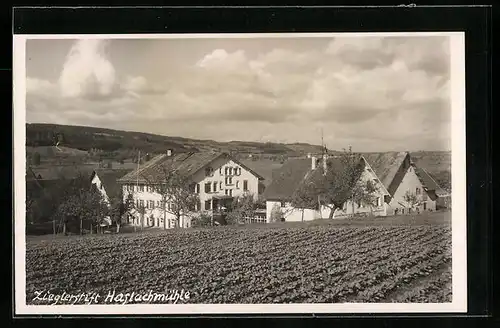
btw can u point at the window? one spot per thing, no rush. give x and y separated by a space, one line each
207 187
225 170
230 192
237 185
424 196
425 206
220 185
141 188
141 203
245 185
197 188
417 191
215 186
379 201
220 170
209 171
283 204
208 205
402 211
230 170
152 204
137 203
226 191
168 224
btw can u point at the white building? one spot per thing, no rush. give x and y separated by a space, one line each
216 178
393 174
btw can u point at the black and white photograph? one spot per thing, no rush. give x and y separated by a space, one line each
240 173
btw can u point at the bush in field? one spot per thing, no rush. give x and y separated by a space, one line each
243 207
276 213
201 220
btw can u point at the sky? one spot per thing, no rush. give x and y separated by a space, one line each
372 93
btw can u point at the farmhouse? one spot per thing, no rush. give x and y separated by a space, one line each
393 174
216 178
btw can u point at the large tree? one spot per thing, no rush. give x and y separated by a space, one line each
305 197
119 207
82 202
337 185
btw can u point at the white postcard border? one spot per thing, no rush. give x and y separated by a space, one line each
459 204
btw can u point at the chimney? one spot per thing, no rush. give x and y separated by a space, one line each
325 158
169 152
313 162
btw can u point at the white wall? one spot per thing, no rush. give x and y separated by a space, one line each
296 214
237 181
97 182
289 212
409 183
200 178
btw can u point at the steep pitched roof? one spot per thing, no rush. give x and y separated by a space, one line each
428 182
109 179
287 179
265 168
185 164
386 166
296 172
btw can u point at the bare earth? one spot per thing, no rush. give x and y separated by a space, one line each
393 259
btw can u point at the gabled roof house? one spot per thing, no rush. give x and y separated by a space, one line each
393 172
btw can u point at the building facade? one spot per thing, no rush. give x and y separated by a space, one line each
393 174
215 178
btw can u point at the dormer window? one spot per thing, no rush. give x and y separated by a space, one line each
209 171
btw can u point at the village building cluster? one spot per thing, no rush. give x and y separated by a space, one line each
217 179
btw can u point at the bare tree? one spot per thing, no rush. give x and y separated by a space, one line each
177 192
276 213
411 199
336 186
363 193
243 207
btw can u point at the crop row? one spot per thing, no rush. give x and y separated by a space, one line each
314 264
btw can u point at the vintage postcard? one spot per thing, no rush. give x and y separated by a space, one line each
240 173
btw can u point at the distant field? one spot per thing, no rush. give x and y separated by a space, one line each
398 259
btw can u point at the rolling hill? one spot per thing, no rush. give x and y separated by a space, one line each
90 144
122 143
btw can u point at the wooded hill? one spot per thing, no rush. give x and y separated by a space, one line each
125 143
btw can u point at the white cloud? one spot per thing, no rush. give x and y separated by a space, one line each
38 86
372 88
87 70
